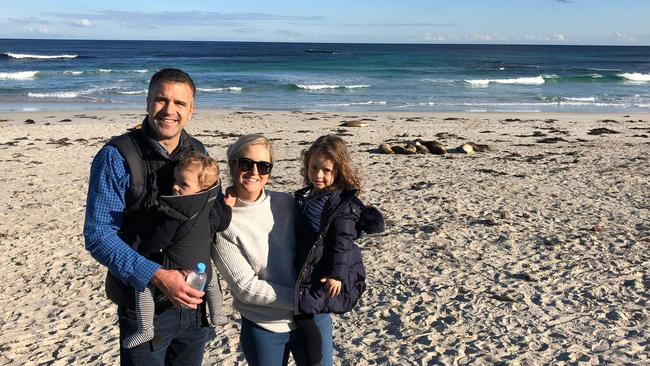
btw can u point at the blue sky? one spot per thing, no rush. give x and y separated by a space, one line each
615 22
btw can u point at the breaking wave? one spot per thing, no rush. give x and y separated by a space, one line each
38 57
635 77
63 95
538 80
19 75
133 92
328 86
235 89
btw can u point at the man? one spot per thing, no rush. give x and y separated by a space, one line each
126 177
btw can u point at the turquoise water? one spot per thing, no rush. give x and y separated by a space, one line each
58 74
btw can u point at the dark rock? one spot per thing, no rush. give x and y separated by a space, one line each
551 140
601 131
354 123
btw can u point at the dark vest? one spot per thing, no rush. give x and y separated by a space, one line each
151 175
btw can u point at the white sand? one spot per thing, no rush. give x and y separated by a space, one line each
531 253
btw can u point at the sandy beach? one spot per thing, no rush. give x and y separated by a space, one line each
533 252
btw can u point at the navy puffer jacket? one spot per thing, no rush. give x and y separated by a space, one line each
332 252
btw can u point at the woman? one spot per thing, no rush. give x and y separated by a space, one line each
256 254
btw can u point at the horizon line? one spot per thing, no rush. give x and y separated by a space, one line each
357 43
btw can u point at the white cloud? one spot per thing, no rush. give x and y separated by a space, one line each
481 37
428 37
138 25
184 18
27 20
622 37
40 30
83 23
291 35
559 37
245 30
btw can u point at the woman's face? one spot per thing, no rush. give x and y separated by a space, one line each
248 185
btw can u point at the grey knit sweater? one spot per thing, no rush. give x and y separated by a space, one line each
255 255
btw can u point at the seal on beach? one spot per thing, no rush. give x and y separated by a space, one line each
354 123
410 149
385 148
479 147
470 148
419 148
466 148
433 146
403 150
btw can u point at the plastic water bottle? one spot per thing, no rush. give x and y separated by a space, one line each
197 278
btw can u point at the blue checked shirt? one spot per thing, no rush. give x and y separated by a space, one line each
107 186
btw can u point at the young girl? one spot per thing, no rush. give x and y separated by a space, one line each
330 217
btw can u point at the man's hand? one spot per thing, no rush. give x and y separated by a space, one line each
172 284
333 286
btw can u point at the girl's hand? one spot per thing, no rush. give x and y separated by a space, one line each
333 286
229 199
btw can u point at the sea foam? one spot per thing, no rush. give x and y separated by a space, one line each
580 99
64 95
538 80
133 92
635 77
111 71
20 75
370 102
329 87
235 89
40 57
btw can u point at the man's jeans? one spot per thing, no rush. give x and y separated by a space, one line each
180 339
264 348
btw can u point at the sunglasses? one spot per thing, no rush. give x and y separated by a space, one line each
246 164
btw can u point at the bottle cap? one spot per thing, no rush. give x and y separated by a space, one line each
200 267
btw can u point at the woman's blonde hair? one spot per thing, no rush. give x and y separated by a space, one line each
208 168
235 150
333 148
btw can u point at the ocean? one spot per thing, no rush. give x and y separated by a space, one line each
83 74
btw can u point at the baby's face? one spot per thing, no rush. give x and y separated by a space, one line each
186 181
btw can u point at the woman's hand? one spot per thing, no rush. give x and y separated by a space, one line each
333 286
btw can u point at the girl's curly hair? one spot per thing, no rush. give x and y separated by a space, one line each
333 148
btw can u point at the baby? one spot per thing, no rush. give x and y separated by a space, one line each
182 235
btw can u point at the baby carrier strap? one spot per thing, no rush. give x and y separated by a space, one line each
130 145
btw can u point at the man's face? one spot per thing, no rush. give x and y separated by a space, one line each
170 106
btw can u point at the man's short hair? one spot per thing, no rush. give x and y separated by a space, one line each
172 75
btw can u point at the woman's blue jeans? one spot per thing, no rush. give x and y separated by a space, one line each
264 348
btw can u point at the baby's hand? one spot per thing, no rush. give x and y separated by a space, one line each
333 286
229 199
